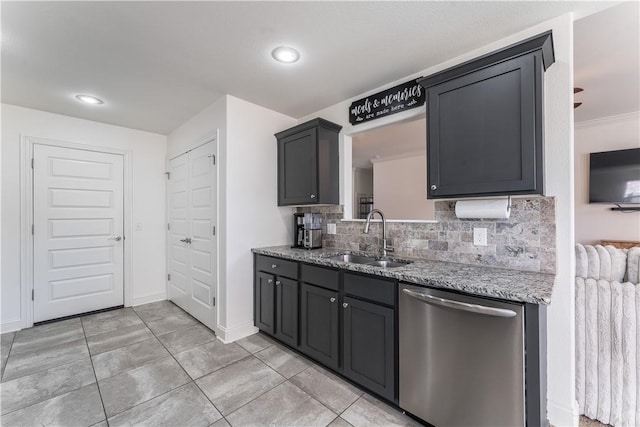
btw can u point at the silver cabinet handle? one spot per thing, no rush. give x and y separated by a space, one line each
274 265
116 238
332 299
434 187
457 305
270 281
345 305
186 240
278 282
313 196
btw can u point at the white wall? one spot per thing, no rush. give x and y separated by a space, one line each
562 408
253 216
400 187
148 205
606 134
248 212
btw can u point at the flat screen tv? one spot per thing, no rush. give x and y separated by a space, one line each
614 177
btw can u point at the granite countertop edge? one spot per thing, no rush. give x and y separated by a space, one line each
511 285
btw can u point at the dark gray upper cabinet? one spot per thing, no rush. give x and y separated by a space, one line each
485 123
308 160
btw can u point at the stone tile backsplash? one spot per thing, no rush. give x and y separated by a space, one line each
526 241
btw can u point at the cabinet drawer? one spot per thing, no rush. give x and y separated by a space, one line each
370 288
277 266
320 276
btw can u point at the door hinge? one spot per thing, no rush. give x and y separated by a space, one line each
32 163
168 226
168 277
214 301
168 175
32 229
33 292
214 230
213 158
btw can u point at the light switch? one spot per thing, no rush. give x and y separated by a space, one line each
480 236
331 229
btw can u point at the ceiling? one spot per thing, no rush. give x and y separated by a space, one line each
157 64
607 62
388 141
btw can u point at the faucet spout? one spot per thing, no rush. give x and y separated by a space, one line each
385 248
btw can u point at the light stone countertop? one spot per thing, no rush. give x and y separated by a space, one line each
512 285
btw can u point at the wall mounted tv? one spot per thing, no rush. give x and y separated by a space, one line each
614 177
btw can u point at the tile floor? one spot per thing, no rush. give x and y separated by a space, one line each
155 365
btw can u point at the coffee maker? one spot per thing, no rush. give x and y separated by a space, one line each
307 230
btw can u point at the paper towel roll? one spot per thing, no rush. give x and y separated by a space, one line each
494 208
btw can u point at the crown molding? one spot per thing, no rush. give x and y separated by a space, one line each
601 121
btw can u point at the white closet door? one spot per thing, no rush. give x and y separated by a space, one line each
192 236
178 203
202 249
78 231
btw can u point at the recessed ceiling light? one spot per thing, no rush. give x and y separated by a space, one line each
285 54
88 99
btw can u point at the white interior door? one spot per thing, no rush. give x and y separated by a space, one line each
78 231
178 204
192 234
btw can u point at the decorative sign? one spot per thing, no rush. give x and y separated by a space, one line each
394 100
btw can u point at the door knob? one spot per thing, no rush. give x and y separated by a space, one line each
332 299
313 196
434 187
278 282
345 305
274 265
270 281
116 238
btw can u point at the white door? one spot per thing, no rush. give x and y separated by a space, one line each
78 231
192 234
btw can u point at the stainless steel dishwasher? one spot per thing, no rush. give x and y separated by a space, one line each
461 359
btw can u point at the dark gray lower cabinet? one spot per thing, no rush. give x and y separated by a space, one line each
369 346
287 311
264 302
319 317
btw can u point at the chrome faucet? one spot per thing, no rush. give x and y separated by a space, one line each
385 248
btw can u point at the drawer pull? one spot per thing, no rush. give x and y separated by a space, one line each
274 265
332 299
345 305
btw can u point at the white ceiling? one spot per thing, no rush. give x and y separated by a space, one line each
388 141
607 62
156 64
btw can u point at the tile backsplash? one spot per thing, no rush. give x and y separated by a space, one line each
526 241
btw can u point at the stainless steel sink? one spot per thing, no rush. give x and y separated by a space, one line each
385 263
353 259
368 260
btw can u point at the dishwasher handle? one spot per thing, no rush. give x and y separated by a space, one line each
473 308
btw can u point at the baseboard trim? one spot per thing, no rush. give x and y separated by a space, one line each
229 335
11 326
149 298
561 415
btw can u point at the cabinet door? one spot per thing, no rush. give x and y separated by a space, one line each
485 131
287 311
264 304
368 343
319 334
298 168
